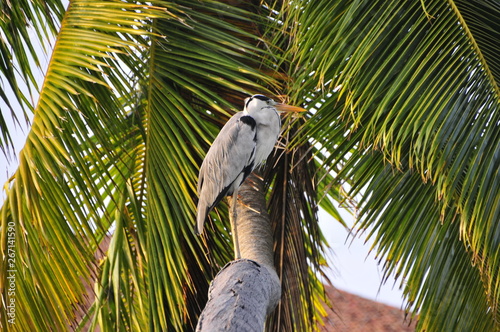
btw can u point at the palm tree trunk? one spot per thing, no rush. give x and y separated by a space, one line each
245 291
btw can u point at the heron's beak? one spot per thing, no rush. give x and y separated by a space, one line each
288 108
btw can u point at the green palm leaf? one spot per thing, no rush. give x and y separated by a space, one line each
422 93
61 198
404 110
20 56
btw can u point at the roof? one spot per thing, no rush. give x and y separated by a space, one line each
352 313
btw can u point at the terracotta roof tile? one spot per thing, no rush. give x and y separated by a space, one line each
352 313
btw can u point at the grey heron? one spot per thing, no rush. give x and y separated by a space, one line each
244 142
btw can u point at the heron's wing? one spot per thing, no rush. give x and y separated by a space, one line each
228 162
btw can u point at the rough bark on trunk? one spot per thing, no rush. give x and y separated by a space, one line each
245 291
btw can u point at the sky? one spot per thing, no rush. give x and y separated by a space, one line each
353 266
353 269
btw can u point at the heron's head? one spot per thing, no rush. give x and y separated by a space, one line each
259 103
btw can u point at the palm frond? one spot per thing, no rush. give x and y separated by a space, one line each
423 92
299 243
58 198
20 56
120 299
438 266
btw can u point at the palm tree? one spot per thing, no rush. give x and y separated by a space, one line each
404 122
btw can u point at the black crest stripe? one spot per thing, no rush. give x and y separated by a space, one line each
261 97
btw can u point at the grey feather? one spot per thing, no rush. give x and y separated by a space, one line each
225 165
